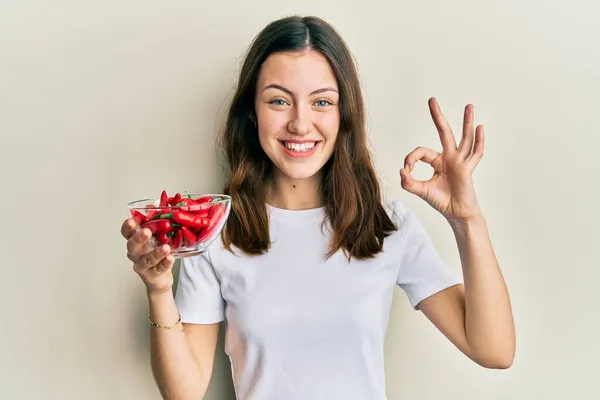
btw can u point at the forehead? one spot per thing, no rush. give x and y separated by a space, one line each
298 71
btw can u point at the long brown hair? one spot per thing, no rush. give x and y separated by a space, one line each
349 186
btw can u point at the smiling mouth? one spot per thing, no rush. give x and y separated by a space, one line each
299 147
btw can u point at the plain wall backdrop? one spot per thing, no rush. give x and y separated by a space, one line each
104 102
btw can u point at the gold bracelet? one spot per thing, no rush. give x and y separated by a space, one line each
176 324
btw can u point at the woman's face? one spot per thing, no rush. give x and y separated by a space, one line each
297 110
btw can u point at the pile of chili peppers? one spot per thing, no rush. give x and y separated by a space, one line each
181 220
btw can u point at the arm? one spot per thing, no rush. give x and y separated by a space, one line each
476 317
182 361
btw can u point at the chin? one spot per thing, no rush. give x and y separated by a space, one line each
296 173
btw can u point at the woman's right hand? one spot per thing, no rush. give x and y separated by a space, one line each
154 266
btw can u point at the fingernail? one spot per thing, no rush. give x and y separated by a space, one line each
164 249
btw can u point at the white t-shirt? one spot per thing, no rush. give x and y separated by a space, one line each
299 327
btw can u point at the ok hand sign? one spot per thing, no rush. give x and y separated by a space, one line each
450 190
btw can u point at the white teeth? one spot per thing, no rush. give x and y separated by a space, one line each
300 146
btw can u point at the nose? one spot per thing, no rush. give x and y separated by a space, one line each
300 123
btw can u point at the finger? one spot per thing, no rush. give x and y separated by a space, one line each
443 128
420 154
128 228
478 147
153 258
412 185
466 142
146 248
165 265
136 243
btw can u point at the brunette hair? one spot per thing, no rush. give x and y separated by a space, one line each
349 186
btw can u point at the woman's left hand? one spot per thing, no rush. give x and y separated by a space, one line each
450 191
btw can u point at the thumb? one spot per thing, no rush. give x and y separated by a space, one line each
412 185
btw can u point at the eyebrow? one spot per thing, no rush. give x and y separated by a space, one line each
283 89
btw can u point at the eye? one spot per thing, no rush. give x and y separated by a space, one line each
278 102
323 103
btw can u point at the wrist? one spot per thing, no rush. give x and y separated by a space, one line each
466 225
159 295
163 311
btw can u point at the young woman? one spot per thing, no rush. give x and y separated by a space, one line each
306 266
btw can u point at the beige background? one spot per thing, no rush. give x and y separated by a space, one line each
103 102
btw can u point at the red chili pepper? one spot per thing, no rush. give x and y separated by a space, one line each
159 226
163 238
188 219
163 199
151 213
189 239
174 199
200 209
217 213
161 214
138 217
203 199
176 240
184 202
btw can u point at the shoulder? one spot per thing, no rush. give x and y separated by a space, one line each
409 228
397 211
206 258
218 255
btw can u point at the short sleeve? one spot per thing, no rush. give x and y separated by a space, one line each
422 271
198 296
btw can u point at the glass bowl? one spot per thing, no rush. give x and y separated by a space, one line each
188 223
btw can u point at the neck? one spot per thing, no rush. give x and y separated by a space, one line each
294 194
